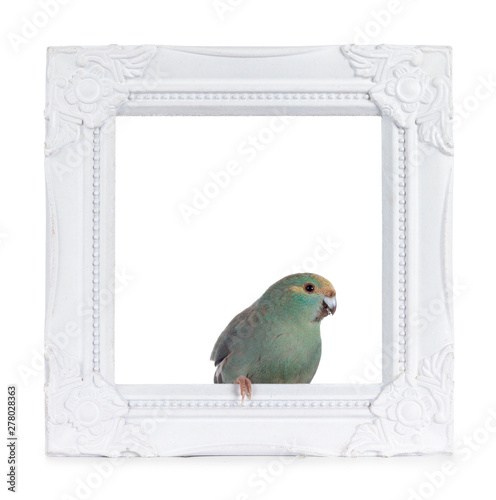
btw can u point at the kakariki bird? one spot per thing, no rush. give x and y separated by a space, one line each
277 339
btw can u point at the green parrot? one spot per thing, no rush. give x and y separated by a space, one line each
277 339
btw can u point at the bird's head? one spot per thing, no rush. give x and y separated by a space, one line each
306 296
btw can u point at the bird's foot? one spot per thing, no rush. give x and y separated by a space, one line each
244 387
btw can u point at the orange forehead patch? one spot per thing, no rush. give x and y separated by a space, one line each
328 290
325 288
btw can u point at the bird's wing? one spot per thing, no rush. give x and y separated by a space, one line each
240 327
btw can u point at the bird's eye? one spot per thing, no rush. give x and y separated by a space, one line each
309 288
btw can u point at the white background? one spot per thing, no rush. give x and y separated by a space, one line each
468 27
293 204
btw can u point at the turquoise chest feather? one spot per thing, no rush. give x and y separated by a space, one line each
289 358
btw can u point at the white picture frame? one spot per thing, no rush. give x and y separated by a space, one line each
410 412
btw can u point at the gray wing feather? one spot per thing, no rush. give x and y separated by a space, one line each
230 351
222 347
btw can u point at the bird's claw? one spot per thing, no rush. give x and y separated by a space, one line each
244 387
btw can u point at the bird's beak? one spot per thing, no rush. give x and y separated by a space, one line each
331 304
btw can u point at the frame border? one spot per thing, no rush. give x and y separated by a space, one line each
86 413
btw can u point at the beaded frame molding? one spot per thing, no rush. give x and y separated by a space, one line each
409 89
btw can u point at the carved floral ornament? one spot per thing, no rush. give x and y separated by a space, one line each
90 409
402 90
407 408
92 93
405 92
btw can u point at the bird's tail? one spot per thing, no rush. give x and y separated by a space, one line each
218 378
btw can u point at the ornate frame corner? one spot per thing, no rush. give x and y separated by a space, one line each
407 92
92 93
410 412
